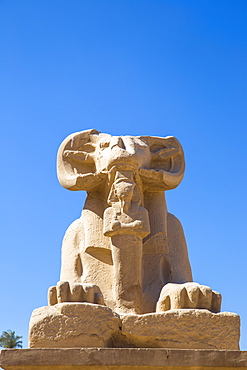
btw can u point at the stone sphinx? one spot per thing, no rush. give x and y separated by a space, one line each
125 277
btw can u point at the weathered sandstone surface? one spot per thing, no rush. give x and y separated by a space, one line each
126 279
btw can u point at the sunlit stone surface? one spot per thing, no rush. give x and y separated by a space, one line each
126 278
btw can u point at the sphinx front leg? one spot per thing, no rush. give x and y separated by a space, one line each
188 295
68 292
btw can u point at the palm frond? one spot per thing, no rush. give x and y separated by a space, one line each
8 339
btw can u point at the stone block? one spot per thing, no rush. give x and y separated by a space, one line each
188 328
68 325
86 325
121 359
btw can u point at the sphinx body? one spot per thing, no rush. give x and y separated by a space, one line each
125 247
126 279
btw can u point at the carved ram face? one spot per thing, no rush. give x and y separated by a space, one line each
85 158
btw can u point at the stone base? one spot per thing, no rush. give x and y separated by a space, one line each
121 359
69 325
83 325
192 329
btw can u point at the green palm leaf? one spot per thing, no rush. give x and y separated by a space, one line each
8 339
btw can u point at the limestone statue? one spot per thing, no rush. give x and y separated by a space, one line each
126 247
126 255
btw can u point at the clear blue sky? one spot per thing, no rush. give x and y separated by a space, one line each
138 67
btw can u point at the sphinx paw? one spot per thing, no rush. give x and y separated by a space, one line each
188 295
68 292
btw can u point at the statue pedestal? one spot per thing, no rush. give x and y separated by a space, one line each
86 325
122 359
